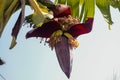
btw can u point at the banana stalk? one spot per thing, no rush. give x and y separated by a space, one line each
64 54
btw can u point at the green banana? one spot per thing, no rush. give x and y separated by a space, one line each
71 40
59 32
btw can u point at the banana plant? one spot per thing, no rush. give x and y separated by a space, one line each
60 22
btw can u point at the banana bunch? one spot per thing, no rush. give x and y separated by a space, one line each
55 38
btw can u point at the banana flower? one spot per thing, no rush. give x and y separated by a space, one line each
62 32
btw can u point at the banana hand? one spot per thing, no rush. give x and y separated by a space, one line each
55 38
72 41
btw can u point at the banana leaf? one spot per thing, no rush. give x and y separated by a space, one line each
7 8
87 9
115 4
80 8
104 7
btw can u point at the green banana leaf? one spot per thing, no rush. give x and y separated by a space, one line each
74 7
7 8
104 7
86 8
80 8
115 4
74 4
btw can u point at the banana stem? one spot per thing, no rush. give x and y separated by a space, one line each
35 6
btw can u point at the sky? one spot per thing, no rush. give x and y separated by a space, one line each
97 57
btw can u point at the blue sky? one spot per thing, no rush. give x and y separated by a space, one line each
97 57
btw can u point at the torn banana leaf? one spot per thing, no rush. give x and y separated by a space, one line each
115 3
74 4
65 56
87 9
104 7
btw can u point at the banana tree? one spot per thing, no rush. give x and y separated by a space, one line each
60 22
